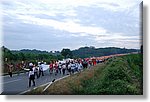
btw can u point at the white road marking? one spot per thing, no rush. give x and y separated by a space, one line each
10 81
47 86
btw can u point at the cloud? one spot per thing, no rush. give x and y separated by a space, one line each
100 35
119 40
91 21
68 26
52 7
117 37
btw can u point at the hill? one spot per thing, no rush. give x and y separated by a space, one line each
118 76
29 55
30 51
85 52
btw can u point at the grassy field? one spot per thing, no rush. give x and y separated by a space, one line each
118 76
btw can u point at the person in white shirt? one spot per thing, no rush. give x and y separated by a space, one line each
69 67
63 68
72 67
31 77
59 67
76 66
41 70
36 71
80 67
30 65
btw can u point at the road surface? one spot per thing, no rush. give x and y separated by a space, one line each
19 83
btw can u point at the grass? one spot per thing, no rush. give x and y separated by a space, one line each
118 76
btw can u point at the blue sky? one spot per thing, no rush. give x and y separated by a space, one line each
56 24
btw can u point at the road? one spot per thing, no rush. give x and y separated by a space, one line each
19 83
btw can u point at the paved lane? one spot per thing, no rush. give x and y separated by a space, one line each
18 84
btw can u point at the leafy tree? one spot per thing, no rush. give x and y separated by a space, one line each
67 53
6 54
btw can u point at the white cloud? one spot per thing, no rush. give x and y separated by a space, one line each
64 7
26 10
100 35
68 26
120 40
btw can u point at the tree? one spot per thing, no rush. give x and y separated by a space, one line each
21 56
7 54
67 53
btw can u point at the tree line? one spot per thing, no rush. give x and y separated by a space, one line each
86 52
28 55
83 52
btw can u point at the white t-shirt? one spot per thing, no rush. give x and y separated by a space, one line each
80 66
59 65
73 66
41 68
35 69
69 66
31 73
63 66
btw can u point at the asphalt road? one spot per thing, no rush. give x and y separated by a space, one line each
19 83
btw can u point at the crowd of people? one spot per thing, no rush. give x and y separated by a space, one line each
65 67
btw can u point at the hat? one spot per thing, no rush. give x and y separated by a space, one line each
30 64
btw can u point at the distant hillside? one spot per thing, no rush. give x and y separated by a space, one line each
30 51
29 55
34 51
84 52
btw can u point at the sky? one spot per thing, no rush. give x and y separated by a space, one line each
56 24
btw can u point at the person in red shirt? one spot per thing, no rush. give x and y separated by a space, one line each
51 67
94 62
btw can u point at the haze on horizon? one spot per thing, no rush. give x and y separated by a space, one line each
52 25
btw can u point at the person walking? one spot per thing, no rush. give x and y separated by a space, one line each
80 67
56 68
72 67
31 77
41 70
10 69
76 66
36 71
51 68
59 67
84 64
30 65
69 68
63 68
18 66
94 61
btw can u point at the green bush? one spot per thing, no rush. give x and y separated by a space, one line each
121 76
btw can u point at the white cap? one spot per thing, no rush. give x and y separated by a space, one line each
30 64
